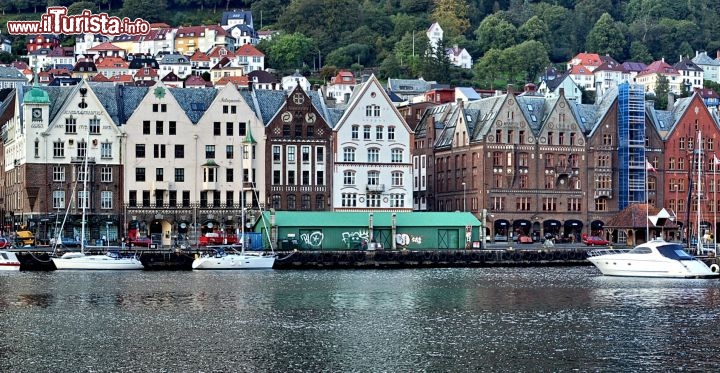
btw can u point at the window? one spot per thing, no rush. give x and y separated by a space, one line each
348 154
349 177
229 198
397 200
106 175
391 133
396 156
276 153
146 127
58 149
305 154
146 198
291 201
106 150
242 129
172 127
139 150
373 155
132 198
179 175
229 151
319 202
209 151
372 200
607 140
159 150
70 125
291 154
216 128
179 151
186 198
298 131
397 178
320 154
291 177
348 199
58 199
497 159
498 203
106 200
94 124
172 198
58 173
159 173
82 201
276 177
373 178
602 205
159 127
140 174
574 204
366 132
522 203
230 175
310 131
82 149
379 133
355 132
549 204
305 178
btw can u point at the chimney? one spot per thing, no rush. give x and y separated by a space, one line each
510 89
671 101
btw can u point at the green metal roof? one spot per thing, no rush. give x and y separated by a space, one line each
380 219
36 96
249 137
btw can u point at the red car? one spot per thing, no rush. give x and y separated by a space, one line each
596 241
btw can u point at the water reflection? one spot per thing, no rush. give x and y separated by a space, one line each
499 319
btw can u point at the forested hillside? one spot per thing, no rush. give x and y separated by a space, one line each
508 39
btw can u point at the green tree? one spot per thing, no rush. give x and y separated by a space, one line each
346 56
436 65
77 8
606 37
639 52
532 59
562 33
488 68
151 11
452 16
535 29
495 32
661 92
289 51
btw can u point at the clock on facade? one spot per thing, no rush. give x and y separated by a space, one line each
36 114
287 117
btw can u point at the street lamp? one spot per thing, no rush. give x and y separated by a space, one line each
463 184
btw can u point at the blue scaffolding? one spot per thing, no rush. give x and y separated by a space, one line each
631 145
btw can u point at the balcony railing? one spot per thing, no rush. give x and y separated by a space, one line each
375 187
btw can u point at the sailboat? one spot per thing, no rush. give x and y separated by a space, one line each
82 260
228 257
8 259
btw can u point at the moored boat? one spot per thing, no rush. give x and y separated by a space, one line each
656 258
229 258
9 261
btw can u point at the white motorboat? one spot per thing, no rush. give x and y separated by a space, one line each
656 258
9 261
229 258
109 260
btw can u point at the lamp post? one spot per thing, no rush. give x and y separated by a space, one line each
463 184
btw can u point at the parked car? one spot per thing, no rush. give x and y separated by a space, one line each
524 239
596 241
500 238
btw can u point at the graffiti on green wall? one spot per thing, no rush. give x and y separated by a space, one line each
312 240
404 239
355 240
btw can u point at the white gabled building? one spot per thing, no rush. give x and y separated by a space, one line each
185 174
373 166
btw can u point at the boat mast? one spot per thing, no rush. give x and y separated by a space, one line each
699 190
86 199
242 197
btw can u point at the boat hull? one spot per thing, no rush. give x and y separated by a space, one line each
9 261
234 261
97 262
622 265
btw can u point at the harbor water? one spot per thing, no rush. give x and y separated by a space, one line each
555 319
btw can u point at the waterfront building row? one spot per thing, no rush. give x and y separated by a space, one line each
179 162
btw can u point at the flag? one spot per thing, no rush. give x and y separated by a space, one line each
649 167
716 161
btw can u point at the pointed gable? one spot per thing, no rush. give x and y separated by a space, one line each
371 93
